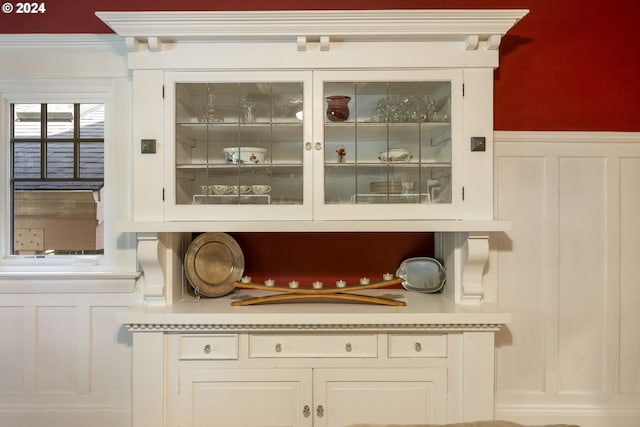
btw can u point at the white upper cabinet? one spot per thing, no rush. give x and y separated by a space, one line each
321 117
360 145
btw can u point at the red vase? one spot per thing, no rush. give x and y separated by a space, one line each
338 108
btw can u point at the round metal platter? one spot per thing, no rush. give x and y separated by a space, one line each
422 274
212 263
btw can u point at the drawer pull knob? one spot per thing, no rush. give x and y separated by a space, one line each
418 347
207 349
320 411
318 146
278 348
306 411
348 347
308 146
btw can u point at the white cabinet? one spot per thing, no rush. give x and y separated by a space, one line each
313 145
307 379
210 363
244 397
310 397
380 396
418 85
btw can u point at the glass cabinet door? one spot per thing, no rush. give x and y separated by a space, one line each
238 143
388 140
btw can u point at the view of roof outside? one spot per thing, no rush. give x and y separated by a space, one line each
57 172
59 149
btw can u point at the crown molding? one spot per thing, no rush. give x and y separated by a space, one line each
469 26
82 42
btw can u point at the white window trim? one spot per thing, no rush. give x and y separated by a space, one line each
116 270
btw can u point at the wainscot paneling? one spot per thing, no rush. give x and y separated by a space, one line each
65 361
568 270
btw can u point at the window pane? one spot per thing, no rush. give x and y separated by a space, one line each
92 160
60 121
26 160
26 121
59 160
57 211
92 121
69 226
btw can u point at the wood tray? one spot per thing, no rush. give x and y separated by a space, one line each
288 294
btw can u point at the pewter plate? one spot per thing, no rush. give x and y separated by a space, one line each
212 263
422 274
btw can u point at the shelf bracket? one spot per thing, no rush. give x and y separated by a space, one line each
153 276
477 258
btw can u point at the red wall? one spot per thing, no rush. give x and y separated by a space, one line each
569 65
328 257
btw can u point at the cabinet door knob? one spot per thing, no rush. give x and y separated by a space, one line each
278 348
348 347
306 411
207 349
320 411
308 146
418 347
318 146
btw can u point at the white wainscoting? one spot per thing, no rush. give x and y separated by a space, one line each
64 360
569 271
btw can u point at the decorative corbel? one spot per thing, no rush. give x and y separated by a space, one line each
477 258
302 43
471 42
493 42
155 44
325 43
132 44
153 276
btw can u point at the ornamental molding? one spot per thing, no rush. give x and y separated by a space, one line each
475 28
381 328
554 137
81 42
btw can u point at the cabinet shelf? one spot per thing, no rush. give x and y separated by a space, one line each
374 164
250 199
239 123
205 166
350 123
314 226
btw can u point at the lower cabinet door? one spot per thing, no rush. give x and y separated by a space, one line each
245 397
343 397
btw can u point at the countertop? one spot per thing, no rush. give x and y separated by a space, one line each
422 312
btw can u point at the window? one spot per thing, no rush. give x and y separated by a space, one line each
57 179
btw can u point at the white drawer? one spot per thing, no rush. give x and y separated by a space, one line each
321 345
422 345
205 347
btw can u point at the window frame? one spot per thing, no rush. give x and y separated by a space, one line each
48 181
119 258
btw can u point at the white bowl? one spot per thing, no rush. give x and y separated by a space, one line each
220 189
241 155
260 189
240 189
395 155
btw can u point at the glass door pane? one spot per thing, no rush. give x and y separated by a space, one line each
239 143
387 142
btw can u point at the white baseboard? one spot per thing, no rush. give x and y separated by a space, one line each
64 417
581 415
